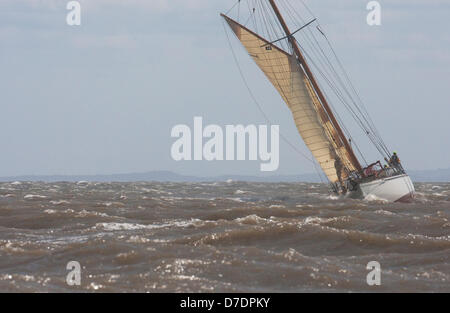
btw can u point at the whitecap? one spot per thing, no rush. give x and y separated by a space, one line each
121 226
333 197
60 202
383 212
371 198
235 199
251 219
32 197
133 226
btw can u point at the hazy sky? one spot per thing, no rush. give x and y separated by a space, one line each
102 97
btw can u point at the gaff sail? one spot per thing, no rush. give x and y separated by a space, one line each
287 76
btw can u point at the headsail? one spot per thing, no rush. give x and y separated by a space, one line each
313 124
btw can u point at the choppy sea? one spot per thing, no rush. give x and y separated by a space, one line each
219 237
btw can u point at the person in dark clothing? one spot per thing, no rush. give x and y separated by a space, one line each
394 161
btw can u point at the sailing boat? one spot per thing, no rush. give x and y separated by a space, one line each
284 64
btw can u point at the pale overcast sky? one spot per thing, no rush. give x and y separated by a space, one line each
102 97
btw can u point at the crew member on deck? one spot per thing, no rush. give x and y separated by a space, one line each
395 161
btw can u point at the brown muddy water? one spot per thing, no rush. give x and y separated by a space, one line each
219 237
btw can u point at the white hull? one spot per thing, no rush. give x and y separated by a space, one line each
393 189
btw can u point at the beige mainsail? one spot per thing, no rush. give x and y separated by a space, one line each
313 124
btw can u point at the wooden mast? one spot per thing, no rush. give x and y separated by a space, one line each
319 92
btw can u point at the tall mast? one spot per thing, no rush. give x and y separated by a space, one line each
319 92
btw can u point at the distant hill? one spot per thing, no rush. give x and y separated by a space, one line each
440 175
161 176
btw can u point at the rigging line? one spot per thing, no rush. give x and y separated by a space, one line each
254 16
252 13
370 122
266 27
286 37
307 8
286 77
248 19
284 73
324 67
350 110
322 56
269 24
239 10
259 19
318 171
278 30
342 98
252 7
370 127
265 116
374 134
340 121
352 85
352 142
232 7
254 98
330 130
271 29
293 19
333 89
340 83
289 13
